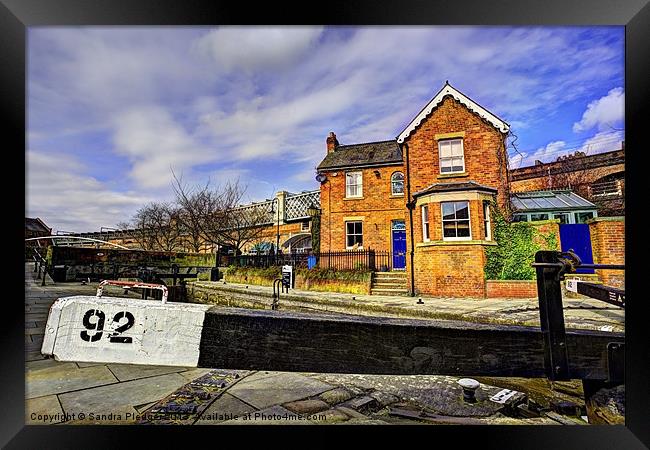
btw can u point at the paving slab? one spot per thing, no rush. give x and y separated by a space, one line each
193 374
127 372
277 389
224 408
65 378
43 411
275 415
48 363
306 407
441 394
119 396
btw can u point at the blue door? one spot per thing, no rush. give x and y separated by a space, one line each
576 236
399 245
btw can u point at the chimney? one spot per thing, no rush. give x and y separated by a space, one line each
332 142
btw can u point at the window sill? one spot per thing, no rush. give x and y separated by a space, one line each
460 242
396 196
353 198
453 175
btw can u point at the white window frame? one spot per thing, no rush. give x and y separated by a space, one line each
392 192
359 185
449 142
348 247
305 226
487 221
426 228
469 220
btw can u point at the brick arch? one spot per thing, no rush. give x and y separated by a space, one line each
611 177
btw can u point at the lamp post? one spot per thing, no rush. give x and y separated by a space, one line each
277 241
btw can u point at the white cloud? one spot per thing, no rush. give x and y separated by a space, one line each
251 48
604 112
60 194
605 141
155 144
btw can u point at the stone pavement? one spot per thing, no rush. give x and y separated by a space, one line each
579 312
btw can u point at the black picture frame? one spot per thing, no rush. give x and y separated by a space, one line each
16 15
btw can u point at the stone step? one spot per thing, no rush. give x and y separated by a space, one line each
384 291
400 274
390 285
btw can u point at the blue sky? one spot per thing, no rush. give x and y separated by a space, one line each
111 110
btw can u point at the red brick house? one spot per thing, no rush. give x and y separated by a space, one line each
425 196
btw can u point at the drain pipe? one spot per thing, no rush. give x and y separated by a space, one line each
410 204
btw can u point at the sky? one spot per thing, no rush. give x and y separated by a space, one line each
114 112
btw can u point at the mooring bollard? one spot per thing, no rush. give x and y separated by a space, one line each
469 386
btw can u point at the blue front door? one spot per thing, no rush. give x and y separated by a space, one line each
399 245
576 236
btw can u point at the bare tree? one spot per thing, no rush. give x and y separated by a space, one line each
157 227
213 215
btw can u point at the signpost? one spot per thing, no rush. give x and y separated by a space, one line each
287 277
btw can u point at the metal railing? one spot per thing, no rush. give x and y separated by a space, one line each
376 260
40 266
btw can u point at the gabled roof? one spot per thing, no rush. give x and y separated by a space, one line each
359 155
36 224
448 89
455 186
551 200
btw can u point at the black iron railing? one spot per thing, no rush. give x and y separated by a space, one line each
376 260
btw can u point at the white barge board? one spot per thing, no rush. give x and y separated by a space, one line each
124 330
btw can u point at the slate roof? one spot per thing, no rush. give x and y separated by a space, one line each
550 200
361 155
455 186
36 225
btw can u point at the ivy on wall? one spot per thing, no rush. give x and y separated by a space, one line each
517 243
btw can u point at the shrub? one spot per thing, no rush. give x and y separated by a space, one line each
514 253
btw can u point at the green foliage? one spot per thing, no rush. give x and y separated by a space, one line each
514 253
309 274
262 272
331 274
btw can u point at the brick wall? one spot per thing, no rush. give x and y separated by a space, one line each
608 247
269 234
485 157
450 270
511 289
376 209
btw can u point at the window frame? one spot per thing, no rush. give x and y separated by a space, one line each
351 247
392 183
487 221
359 185
305 226
426 236
449 142
443 220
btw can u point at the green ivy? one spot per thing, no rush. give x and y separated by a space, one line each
517 243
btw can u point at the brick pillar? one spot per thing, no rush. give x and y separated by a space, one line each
608 247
